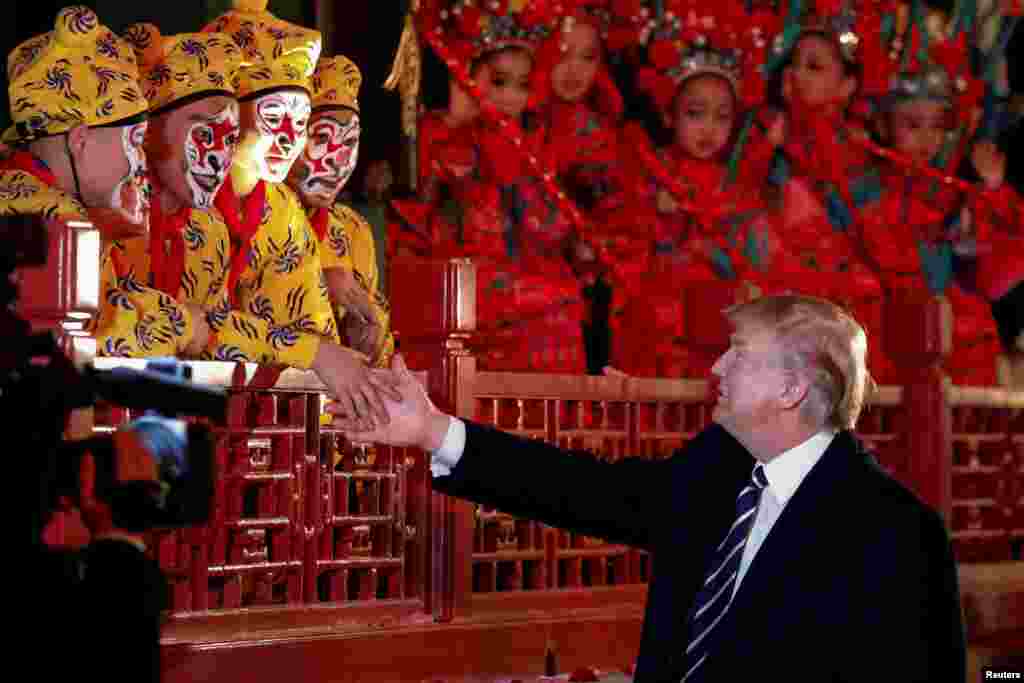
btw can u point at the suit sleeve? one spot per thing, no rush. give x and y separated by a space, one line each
622 502
910 618
136 320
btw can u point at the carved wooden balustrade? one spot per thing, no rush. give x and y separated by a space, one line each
351 558
296 521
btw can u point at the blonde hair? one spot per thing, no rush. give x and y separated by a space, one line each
823 340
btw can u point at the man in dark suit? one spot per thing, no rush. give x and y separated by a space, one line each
815 566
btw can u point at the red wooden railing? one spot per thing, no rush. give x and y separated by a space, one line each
308 568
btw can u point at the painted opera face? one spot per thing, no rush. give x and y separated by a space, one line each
191 148
329 157
209 146
132 192
279 119
112 172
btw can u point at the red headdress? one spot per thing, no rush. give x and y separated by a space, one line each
472 28
615 31
691 38
931 59
855 26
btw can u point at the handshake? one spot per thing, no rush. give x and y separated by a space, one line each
405 414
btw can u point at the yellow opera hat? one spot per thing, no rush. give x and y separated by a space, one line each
80 72
336 83
176 67
276 53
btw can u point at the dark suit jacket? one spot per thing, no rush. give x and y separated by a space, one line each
855 582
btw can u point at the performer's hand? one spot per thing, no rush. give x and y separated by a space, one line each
360 393
990 163
364 334
415 421
200 331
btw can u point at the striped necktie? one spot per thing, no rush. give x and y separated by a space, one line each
715 595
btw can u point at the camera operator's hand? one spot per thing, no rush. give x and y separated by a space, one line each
132 462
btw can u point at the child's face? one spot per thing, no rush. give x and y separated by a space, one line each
705 110
504 79
575 72
917 128
817 76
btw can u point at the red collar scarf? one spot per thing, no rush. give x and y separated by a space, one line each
167 266
243 217
319 222
29 163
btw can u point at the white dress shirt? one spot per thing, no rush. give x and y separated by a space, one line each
447 456
784 473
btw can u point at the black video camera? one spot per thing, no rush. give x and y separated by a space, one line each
183 452
40 387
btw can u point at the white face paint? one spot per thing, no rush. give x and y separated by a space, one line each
131 194
281 119
209 147
330 156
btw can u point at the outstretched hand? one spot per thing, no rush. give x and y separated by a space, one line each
413 421
359 391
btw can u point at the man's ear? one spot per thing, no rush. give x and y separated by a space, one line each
795 391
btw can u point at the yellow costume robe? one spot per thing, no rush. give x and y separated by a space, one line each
148 321
281 310
348 243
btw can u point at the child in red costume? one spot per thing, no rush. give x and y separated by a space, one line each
478 198
582 113
915 226
997 270
821 175
703 223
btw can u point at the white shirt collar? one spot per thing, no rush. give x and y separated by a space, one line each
787 470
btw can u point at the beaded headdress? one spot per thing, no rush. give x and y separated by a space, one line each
688 39
472 28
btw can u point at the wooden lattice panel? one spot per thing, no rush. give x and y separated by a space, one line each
880 428
366 535
610 417
299 515
988 475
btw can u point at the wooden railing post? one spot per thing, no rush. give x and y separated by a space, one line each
435 335
918 336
